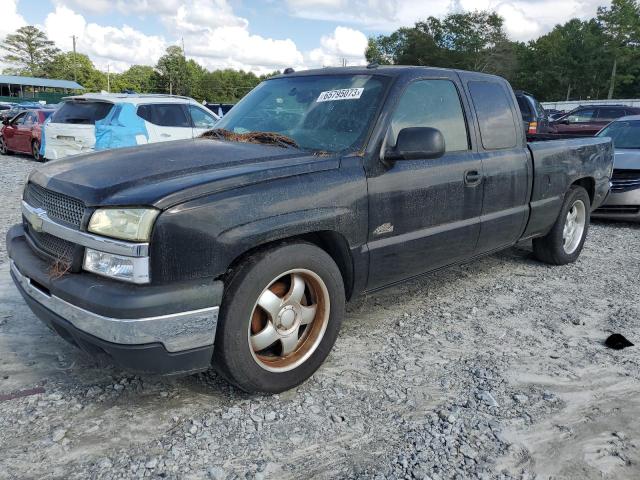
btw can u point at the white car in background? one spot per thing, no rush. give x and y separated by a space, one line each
94 121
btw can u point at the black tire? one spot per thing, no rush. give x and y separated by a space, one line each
234 358
551 248
3 147
35 151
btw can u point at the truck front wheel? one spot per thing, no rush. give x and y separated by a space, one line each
564 242
279 319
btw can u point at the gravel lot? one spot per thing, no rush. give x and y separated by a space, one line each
494 369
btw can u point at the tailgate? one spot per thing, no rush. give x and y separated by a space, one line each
64 139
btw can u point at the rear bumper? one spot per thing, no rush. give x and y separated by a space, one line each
620 206
153 329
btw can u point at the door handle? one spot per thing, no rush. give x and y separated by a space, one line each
472 177
165 135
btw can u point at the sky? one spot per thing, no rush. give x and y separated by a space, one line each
257 35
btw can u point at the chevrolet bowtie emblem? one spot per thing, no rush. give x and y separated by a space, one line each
35 218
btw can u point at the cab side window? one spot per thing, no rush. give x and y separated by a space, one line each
435 104
497 126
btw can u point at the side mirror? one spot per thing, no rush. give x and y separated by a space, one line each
417 143
565 121
5 122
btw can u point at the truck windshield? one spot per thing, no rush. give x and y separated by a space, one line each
624 133
322 113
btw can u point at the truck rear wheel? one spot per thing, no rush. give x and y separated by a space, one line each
564 242
279 318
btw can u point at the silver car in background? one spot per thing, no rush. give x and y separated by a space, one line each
623 202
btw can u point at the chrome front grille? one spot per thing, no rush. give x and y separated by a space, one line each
54 247
625 180
59 207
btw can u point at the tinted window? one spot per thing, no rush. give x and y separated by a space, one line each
85 113
581 116
200 118
31 118
436 104
497 128
608 114
524 108
165 115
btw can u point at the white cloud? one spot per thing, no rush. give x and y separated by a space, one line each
217 38
118 47
11 19
528 19
524 19
344 43
122 6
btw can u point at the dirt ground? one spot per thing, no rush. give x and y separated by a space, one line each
495 369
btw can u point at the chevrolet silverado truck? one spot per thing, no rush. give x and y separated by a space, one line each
239 249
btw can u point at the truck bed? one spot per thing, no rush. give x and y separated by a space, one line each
557 164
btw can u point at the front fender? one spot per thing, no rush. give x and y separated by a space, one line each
203 237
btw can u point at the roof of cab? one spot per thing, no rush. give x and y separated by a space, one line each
387 70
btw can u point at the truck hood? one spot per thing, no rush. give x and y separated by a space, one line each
166 174
627 159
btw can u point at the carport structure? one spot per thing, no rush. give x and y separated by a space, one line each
14 88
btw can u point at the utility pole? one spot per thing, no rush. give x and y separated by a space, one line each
75 77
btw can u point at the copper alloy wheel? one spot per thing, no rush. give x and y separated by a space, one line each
288 320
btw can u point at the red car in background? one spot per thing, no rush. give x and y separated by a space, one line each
589 120
22 133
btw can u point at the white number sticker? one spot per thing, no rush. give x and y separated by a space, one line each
344 94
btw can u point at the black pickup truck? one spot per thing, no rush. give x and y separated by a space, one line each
239 249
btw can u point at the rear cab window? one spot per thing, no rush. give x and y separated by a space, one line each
81 112
495 116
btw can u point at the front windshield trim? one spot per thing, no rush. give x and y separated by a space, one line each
361 144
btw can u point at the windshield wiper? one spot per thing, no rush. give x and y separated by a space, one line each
268 138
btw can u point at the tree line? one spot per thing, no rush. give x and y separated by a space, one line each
581 59
31 53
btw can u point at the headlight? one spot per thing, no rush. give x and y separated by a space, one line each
128 269
133 224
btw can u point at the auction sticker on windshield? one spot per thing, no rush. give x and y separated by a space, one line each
344 94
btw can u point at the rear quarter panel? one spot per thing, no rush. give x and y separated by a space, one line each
557 164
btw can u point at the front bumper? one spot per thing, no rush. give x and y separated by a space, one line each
164 329
620 206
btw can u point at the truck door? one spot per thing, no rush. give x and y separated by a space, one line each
505 163
424 214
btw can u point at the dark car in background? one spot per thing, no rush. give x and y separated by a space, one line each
623 202
590 119
23 133
534 116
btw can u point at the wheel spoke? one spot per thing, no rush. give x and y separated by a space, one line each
297 289
289 343
270 303
308 314
265 338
